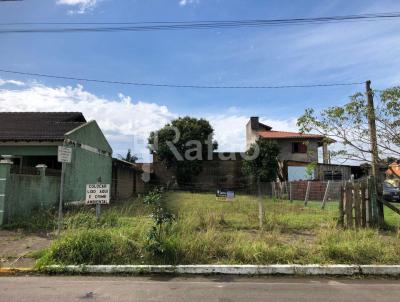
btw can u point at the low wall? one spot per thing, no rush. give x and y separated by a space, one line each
128 180
316 191
22 194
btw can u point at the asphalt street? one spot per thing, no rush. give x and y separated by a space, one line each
175 289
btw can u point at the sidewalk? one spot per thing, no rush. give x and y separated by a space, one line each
16 248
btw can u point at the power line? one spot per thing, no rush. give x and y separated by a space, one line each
314 19
179 85
187 25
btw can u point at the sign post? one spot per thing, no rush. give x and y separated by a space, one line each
225 195
64 156
97 194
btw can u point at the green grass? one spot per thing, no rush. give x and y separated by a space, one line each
217 232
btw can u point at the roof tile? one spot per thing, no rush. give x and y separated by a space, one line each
284 134
38 126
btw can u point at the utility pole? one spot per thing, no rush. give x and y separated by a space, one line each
374 150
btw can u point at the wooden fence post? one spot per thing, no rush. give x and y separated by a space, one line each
273 189
369 204
373 201
290 192
363 206
357 205
325 195
341 206
287 189
307 193
260 206
349 205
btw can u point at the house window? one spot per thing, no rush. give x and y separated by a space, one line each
299 147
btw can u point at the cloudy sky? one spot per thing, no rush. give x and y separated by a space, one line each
346 52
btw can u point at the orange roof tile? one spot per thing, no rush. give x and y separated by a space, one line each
284 134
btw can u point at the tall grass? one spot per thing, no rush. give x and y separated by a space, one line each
209 231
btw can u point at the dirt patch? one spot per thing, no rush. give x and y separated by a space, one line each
16 248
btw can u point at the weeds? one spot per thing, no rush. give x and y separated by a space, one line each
37 221
156 243
186 228
92 247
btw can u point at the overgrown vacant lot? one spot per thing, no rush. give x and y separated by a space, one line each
218 232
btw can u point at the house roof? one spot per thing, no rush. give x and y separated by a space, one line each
284 134
394 169
38 126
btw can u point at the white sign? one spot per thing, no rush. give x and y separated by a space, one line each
98 194
64 154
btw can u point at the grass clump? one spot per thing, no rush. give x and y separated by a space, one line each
359 247
92 247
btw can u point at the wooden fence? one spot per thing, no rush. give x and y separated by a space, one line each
356 205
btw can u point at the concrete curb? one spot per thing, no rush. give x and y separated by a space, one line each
10 270
300 270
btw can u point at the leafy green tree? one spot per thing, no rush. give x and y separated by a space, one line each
310 169
264 167
348 125
183 144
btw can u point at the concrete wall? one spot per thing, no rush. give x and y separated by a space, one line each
216 174
123 181
128 180
86 167
251 135
91 160
287 154
21 194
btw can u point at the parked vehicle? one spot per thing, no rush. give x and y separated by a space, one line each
391 192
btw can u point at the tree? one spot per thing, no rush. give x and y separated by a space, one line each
183 144
348 125
131 158
264 168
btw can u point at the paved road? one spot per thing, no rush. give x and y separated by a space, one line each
221 289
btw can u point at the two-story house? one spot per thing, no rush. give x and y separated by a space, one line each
297 150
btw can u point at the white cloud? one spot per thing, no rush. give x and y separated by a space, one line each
11 82
186 2
82 5
231 134
127 123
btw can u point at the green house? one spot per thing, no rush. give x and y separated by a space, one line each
30 139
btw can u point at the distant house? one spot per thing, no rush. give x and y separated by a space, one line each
394 170
297 150
32 138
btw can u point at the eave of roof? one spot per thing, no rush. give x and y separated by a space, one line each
285 134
